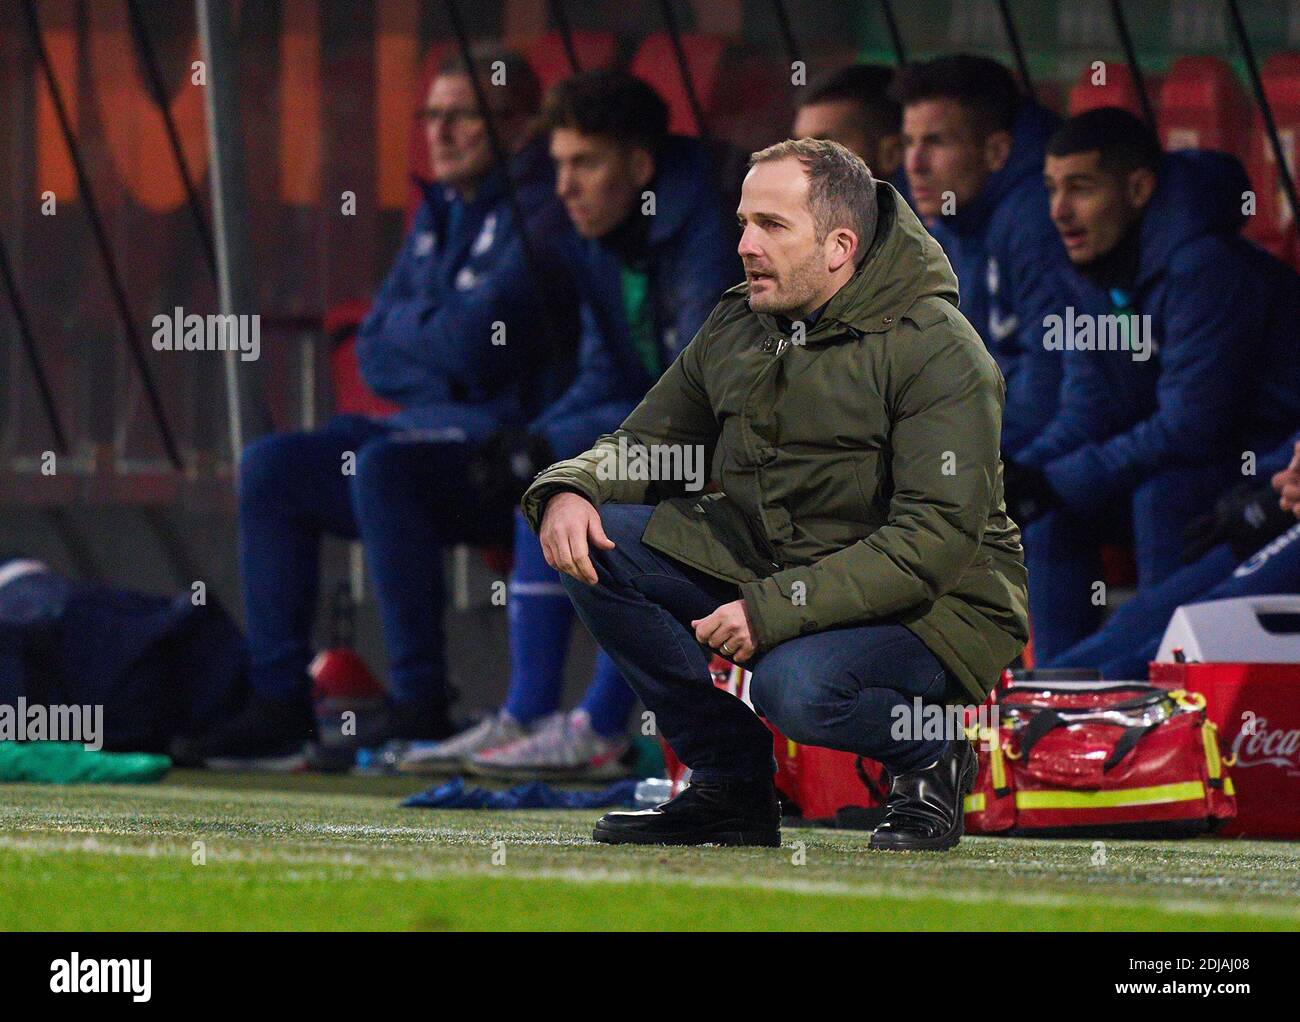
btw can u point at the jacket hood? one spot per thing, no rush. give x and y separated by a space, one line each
1197 193
903 264
681 165
1032 127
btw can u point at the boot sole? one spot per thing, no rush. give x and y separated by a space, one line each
729 838
945 841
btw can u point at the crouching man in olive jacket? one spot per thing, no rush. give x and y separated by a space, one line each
857 555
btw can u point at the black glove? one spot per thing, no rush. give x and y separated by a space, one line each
1245 518
502 466
1028 493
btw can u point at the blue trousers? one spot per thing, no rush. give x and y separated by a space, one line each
541 618
1063 552
1131 638
835 688
405 500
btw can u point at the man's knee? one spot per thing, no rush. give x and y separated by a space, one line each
267 466
797 697
625 524
384 468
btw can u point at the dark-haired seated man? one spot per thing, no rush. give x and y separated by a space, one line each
856 553
853 106
1181 366
973 154
650 253
1248 545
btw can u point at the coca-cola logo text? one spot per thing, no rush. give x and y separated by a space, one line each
1261 745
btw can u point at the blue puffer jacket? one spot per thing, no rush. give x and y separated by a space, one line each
692 257
1225 374
457 333
1011 268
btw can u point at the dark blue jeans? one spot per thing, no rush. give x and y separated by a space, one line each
406 500
835 688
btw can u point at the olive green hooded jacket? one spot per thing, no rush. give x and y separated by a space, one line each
857 462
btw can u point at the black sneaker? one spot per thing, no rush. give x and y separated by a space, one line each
267 734
925 808
703 814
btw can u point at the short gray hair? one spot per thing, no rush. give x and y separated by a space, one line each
841 190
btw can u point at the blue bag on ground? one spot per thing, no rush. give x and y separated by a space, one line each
537 795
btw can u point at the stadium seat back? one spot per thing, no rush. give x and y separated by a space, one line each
418 158
1113 85
350 394
1273 226
1202 106
656 63
550 61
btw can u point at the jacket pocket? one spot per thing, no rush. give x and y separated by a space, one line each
710 533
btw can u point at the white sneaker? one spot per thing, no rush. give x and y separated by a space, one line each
562 745
451 755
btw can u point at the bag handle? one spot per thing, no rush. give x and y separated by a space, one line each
1130 738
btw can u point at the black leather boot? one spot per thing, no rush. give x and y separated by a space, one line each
924 811
703 814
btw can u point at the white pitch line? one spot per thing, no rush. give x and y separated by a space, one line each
601 875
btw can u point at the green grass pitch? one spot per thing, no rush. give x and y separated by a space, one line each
312 852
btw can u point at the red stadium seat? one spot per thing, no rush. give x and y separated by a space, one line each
744 93
351 395
1272 226
419 148
1202 106
656 63
1119 89
551 62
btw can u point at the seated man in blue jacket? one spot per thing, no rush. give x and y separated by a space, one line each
458 339
1249 545
651 251
1180 364
973 155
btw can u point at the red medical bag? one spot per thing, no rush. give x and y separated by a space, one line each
1257 707
1100 759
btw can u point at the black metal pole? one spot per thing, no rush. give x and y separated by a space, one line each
787 33
895 36
29 347
683 67
134 342
1130 54
1257 86
502 159
246 412
1013 37
148 61
561 18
